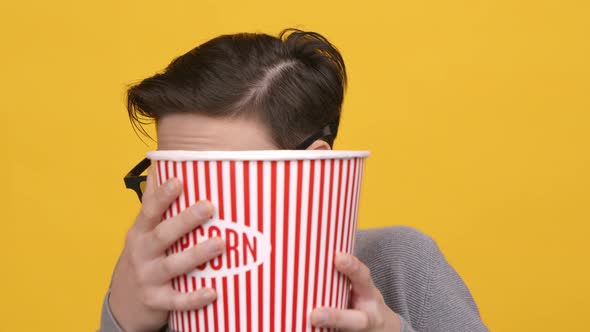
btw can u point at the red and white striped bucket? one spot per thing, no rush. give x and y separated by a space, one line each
284 215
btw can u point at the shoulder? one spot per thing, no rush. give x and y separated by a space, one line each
401 242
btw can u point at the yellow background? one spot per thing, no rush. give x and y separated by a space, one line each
476 113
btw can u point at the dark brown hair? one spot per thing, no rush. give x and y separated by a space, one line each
293 83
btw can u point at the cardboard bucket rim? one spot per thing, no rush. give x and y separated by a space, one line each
255 155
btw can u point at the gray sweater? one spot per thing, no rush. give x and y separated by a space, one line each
414 277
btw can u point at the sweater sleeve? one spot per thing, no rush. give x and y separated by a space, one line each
417 282
108 323
405 326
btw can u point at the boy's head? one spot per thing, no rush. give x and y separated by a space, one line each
246 92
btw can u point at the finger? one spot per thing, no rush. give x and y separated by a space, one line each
155 204
358 273
150 182
348 320
172 300
186 261
166 233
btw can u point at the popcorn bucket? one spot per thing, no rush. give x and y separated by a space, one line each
283 214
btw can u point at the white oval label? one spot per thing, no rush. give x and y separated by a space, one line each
245 249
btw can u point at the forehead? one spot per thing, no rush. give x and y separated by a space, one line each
191 131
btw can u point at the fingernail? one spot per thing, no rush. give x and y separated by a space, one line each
215 245
171 185
320 317
342 260
203 210
208 293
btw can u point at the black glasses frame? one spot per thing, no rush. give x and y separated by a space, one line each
134 179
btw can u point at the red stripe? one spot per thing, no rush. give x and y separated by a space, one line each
176 313
197 196
172 247
177 243
329 207
352 222
297 241
208 185
177 198
232 181
233 204
307 249
260 188
349 229
171 316
319 228
361 174
344 226
205 309
196 312
161 181
225 308
247 221
159 171
351 208
185 181
221 213
286 245
215 323
166 179
186 237
351 232
188 313
273 235
336 228
196 180
246 166
176 248
220 190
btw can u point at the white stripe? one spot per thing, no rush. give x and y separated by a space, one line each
215 201
190 177
164 179
291 239
240 219
182 204
315 225
334 169
193 313
252 167
266 171
172 214
227 216
338 231
181 200
171 174
280 223
325 241
302 245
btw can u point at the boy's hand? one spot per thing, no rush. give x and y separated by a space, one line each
141 289
368 312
